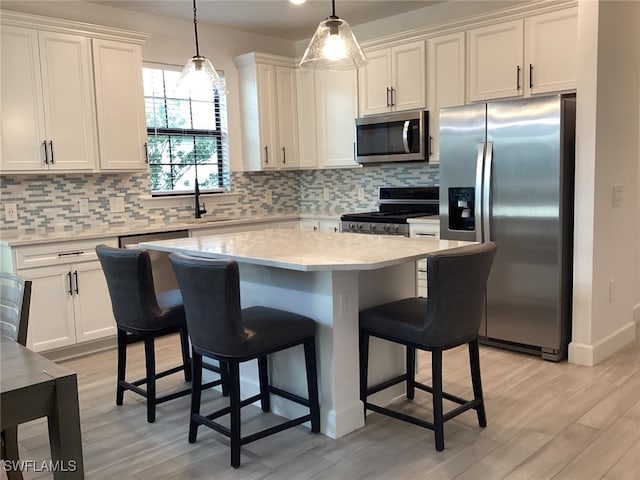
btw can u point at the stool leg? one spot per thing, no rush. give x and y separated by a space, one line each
122 365
263 373
150 361
224 376
186 361
411 372
10 452
196 393
474 360
234 403
438 421
364 366
312 382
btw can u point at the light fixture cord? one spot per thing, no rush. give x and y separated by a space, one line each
333 9
195 27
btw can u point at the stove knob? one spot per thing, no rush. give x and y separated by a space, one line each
372 228
359 226
385 227
352 226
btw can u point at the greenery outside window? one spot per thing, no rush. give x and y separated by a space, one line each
185 136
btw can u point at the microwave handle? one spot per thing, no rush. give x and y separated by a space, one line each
405 136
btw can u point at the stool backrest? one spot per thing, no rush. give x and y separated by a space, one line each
130 283
211 295
456 283
15 300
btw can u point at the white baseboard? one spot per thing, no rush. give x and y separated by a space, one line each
590 355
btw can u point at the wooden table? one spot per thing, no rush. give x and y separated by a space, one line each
34 387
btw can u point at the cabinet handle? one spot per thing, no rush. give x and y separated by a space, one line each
284 155
51 151
70 291
146 153
315 229
75 278
518 78
67 254
530 75
46 154
393 96
429 146
388 97
266 154
336 229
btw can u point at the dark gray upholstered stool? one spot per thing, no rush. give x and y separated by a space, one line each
450 316
15 300
220 329
142 316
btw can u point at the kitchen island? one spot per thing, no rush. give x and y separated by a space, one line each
328 277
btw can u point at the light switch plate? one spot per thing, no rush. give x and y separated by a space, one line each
116 204
10 212
360 193
83 205
616 196
326 193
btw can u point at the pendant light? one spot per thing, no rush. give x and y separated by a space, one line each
198 74
333 46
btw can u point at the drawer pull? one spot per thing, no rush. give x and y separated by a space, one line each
68 254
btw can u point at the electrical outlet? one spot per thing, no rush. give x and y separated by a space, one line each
360 193
268 197
83 205
10 212
326 193
116 204
616 196
611 288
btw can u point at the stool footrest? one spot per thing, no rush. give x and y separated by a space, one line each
158 375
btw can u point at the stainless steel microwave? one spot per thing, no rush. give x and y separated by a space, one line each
393 137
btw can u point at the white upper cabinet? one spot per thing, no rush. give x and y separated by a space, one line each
495 61
47 102
307 121
393 80
524 57
268 103
550 56
336 109
446 81
120 105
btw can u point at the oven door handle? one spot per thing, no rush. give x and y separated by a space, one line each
405 136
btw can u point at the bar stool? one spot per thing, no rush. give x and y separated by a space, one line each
450 316
143 316
221 330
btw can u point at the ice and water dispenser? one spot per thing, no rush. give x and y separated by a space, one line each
462 208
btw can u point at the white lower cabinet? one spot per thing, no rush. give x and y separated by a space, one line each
423 230
70 301
324 225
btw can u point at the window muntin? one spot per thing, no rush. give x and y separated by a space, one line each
185 135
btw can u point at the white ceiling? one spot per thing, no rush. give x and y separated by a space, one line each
276 18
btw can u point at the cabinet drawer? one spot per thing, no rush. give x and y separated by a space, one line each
59 253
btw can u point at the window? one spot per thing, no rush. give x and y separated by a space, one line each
185 136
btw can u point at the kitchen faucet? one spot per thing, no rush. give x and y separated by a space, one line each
199 209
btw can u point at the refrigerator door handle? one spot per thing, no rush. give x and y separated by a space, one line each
405 136
478 199
486 192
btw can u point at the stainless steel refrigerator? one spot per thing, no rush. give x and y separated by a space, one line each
506 175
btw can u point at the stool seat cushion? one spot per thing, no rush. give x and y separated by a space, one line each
402 319
265 329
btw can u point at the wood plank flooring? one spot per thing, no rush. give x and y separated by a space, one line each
545 421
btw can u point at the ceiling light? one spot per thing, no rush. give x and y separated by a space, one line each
333 46
198 74
297 2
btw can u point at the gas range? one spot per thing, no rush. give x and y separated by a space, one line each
396 206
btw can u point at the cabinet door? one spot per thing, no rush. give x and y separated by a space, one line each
446 70
495 61
336 109
267 115
551 46
408 76
51 319
374 82
307 141
21 104
287 153
91 302
69 107
120 105
332 226
309 225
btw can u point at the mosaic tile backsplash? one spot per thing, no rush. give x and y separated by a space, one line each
47 204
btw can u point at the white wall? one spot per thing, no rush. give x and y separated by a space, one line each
172 42
606 245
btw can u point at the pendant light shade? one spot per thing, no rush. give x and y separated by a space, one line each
333 46
198 74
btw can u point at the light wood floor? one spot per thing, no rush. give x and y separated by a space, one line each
545 420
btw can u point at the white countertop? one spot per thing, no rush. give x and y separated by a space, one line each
307 251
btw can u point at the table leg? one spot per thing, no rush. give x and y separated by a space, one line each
64 430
